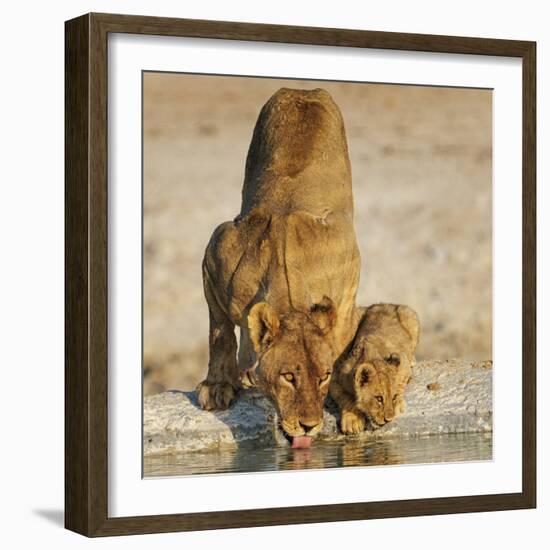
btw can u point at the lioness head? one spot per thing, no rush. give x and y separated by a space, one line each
294 363
376 389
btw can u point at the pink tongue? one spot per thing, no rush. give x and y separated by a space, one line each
301 442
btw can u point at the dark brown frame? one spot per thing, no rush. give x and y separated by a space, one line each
86 274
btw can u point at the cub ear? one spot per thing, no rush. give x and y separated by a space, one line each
393 359
364 374
323 314
263 324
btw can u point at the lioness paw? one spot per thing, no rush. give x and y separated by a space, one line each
215 396
352 423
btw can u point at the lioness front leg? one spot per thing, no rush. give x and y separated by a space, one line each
352 421
222 381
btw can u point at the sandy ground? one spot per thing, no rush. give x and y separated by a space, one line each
422 178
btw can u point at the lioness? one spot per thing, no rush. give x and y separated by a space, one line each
286 269
371 379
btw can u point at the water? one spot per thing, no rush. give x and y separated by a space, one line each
325 454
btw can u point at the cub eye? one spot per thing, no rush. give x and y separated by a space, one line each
289 377
380 399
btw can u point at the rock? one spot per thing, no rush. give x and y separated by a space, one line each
443 397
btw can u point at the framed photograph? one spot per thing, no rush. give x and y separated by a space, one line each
300 275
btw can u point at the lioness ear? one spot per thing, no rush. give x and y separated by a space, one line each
323 314
248 377
263 325
393 359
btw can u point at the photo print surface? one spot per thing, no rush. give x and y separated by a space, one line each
317 274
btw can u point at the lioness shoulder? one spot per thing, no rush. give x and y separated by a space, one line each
370 381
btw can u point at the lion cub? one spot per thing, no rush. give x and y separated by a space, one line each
371 379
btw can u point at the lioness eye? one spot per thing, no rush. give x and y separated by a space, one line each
380 399
289 377
325 377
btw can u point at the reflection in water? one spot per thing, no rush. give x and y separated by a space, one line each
324 454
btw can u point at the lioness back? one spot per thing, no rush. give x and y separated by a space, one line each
307 168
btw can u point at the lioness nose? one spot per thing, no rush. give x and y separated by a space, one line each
308 425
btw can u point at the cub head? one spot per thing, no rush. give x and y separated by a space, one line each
294 363
375 388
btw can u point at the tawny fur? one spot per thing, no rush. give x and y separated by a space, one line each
293 249
370 380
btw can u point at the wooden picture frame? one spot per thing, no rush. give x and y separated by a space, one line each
86 279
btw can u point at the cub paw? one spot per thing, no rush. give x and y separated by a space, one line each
215 396
400 405
352 423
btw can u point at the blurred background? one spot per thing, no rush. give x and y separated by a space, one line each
422 179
